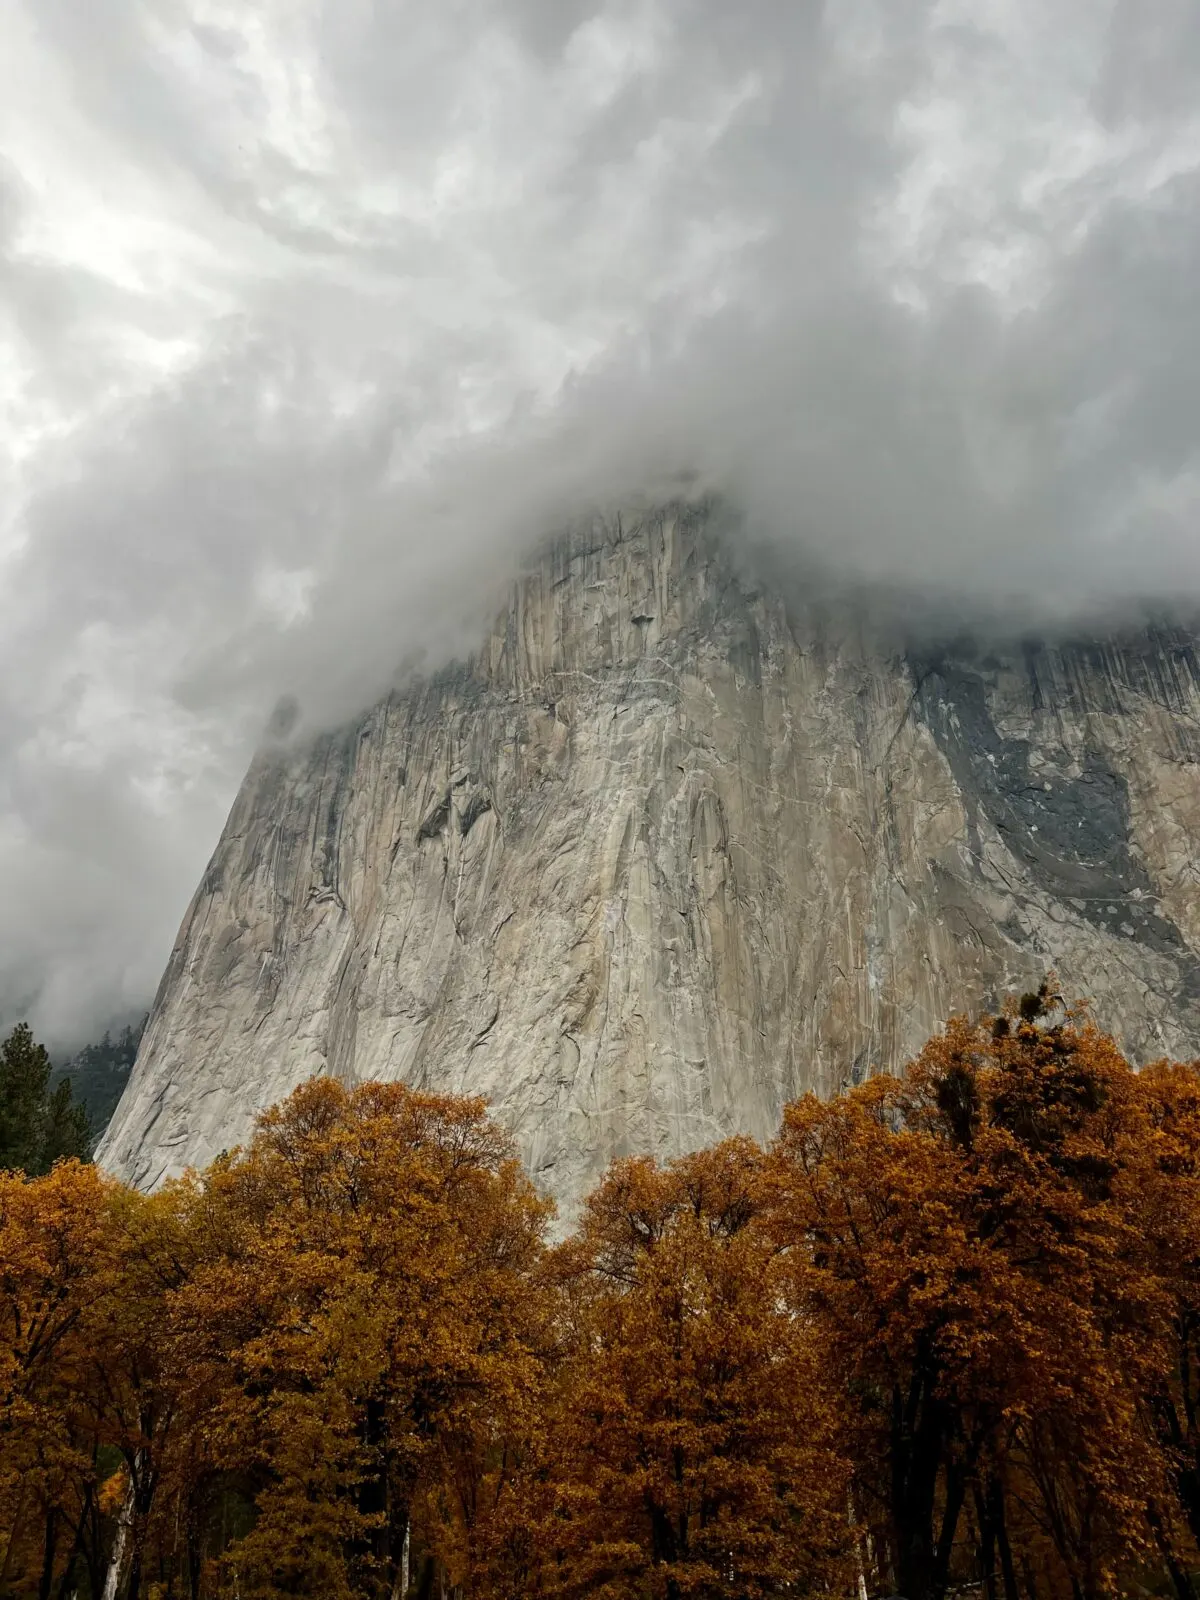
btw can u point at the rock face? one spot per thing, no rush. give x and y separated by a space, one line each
667 853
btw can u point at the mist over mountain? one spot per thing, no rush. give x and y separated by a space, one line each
315 319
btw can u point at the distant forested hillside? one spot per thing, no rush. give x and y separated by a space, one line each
99 1073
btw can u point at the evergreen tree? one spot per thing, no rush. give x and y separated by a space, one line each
68 1130
38 1125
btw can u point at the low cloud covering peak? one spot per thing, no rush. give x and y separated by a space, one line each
313 313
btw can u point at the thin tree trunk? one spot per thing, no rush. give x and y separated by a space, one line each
400 1587
143 1476
956 1489
987 1546
918 1433
94 1555
194 1555
135 1570
48 1553
66 1587
1008 1570
859 1563
116 1560
10 1552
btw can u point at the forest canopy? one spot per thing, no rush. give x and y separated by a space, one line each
940 1337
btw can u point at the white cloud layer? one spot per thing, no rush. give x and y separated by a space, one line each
313 311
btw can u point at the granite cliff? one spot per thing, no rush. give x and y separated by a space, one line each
671 849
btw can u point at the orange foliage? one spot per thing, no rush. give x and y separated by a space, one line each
58 1282
993 1315
687 1450
361 1312
942 1338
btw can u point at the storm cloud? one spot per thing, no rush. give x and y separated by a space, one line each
315 313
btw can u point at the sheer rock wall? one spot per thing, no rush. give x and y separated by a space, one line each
667 853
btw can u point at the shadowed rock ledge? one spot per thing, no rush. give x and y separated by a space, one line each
668 852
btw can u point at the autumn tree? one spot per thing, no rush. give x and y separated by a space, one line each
943 1337
361 1313
689 1447
1161 1186
58 1280
89 1389
960 1236
148 1406
292 1374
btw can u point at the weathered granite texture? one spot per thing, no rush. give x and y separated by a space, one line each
668 853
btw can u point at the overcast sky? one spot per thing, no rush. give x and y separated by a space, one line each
312 311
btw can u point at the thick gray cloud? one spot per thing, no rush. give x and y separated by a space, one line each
313 313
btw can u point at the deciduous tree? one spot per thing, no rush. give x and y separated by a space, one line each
58 1280
690 1448
363 1315
960 1236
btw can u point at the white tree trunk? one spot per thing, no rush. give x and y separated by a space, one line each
117 1560
400 1587
858 1556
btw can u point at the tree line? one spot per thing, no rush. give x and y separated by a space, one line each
49 1112
40 1121
940 1337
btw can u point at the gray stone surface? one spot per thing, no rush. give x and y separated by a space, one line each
667 853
